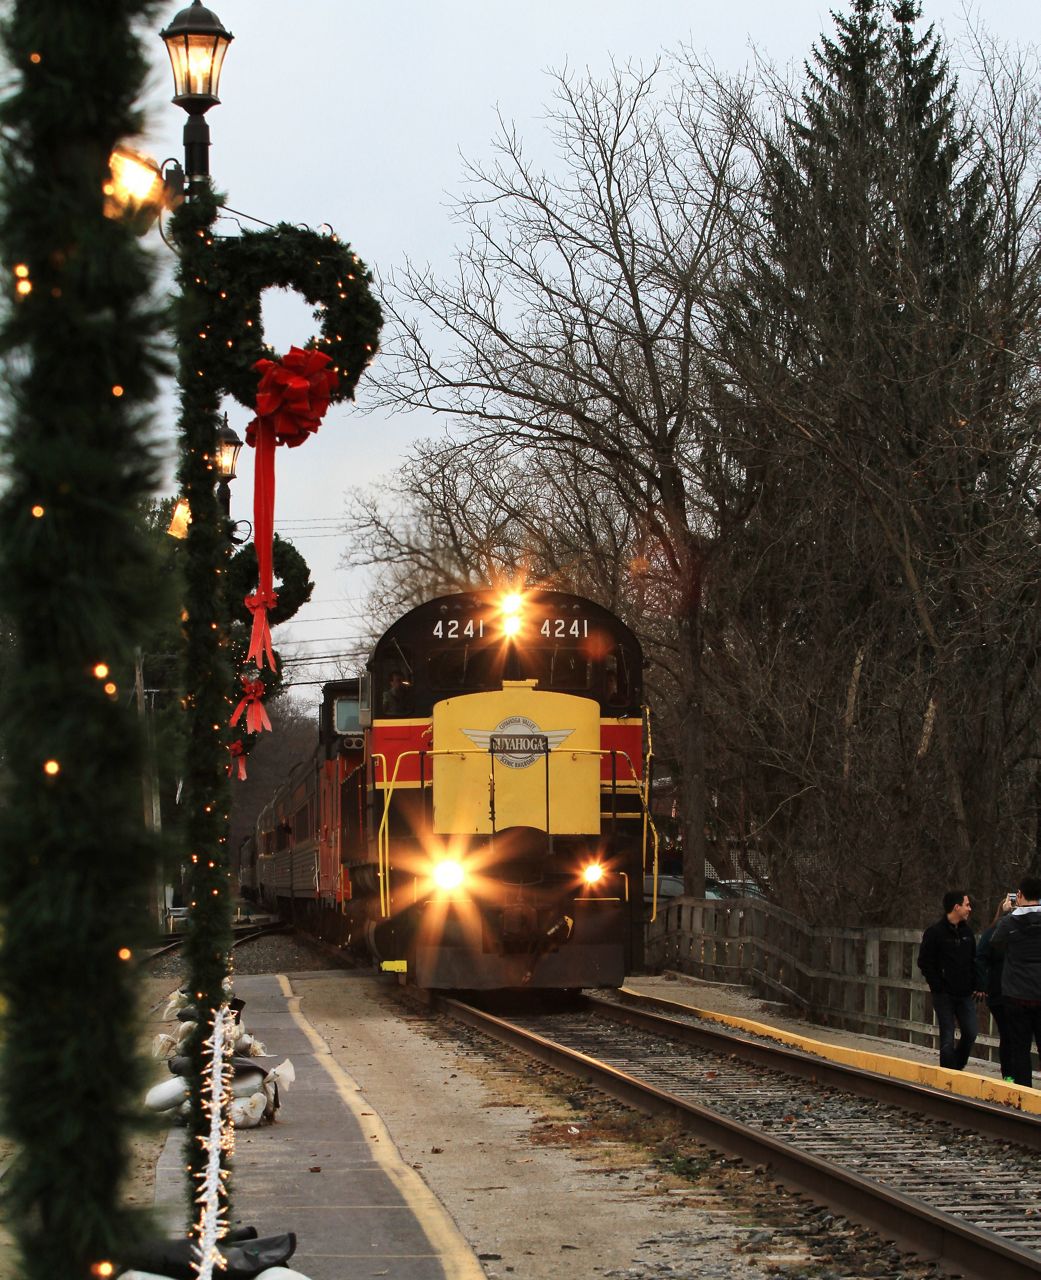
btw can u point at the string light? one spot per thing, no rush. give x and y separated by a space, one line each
36 59
117 390
37 512
217 1141
101 670
124 953
111 689
99 1268
51 768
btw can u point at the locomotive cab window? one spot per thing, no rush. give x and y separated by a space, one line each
395 689
463 667
346 716
616 689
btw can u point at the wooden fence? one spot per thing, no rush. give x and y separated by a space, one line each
862 980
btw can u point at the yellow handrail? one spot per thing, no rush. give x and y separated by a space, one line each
384 889
648 820
383 834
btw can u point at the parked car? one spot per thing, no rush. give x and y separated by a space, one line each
668 887
733 889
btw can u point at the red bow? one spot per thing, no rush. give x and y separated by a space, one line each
253 705
238 758
260 637
293 395
292 398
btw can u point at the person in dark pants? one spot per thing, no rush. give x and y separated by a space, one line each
1018 938
947 959
989 966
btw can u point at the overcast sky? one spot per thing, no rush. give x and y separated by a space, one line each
357 116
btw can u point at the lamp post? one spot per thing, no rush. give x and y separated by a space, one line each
196 42
229 446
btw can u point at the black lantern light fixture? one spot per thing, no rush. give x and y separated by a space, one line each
196 42
228 448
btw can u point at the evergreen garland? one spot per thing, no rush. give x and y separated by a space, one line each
207 673
293 579
318 266
80 358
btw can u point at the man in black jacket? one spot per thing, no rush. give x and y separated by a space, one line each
947 958
1018 937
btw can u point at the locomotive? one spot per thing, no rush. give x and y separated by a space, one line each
477 813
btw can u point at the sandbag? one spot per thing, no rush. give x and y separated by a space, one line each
166 1094
173 1259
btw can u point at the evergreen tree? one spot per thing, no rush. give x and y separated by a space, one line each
80 349
863 338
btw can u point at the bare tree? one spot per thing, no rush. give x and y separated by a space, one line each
572 335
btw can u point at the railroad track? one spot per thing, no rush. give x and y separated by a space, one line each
240 937
947 1177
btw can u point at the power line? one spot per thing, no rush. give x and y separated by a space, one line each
320 657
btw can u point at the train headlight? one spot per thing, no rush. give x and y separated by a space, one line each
449 874
593 874
510 607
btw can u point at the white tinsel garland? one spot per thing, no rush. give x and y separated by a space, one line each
216 1100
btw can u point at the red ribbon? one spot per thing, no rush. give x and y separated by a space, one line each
260 637
253 705
238 759
292 398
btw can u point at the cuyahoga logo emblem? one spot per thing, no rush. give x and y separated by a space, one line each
518 742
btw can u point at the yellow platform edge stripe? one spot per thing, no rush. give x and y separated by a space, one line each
446 1240
967 1084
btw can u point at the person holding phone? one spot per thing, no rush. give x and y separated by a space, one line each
989 966
947 959
1018 939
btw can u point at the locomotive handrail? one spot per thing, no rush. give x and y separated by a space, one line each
383 834
384 886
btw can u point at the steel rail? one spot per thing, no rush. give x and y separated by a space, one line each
262 932
989 1119
968 1250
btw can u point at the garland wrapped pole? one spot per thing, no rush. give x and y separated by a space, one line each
207 672
78 344
220 349
196 42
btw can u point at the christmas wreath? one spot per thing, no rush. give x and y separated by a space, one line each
291 570
319 267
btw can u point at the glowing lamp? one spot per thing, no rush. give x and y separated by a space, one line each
180 520
229 446
511 603
196 42
511 625
449 874
135 186
593 874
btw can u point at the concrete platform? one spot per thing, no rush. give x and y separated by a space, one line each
327 1169
741 1010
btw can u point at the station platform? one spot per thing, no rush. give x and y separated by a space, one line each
327 1170
740 1009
